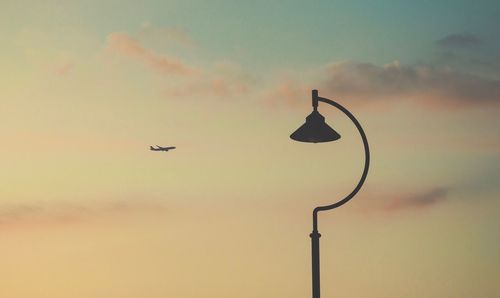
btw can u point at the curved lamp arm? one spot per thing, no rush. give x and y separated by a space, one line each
315 100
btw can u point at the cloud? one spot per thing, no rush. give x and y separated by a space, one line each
173 34
367 83
125 45
217 86
395 201
425 84
469 53
69 212
225 79
459 40
417 200
290 92
63 68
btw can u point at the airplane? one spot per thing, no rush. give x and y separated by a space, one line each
158 148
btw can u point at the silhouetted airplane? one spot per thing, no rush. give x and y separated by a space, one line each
158 148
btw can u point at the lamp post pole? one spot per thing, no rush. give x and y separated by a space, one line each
306 134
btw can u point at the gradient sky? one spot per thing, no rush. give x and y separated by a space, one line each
86 210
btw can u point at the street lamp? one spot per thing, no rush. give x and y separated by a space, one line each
315 130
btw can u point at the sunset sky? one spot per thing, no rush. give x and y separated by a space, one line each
88 211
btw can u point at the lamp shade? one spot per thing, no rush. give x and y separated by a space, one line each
315 130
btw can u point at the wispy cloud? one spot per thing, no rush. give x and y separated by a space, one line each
63 68
72 212
217 86
224 79
125 45
175 35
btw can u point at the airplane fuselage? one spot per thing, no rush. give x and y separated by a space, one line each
158 148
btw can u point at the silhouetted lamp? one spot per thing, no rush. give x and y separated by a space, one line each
315 130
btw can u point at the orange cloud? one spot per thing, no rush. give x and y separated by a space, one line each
174 34
218 86
289 92
223 80
63 68
123 44
69 212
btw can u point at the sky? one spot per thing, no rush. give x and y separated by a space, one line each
87 210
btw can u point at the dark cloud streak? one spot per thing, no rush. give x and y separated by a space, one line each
459 40
418 200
